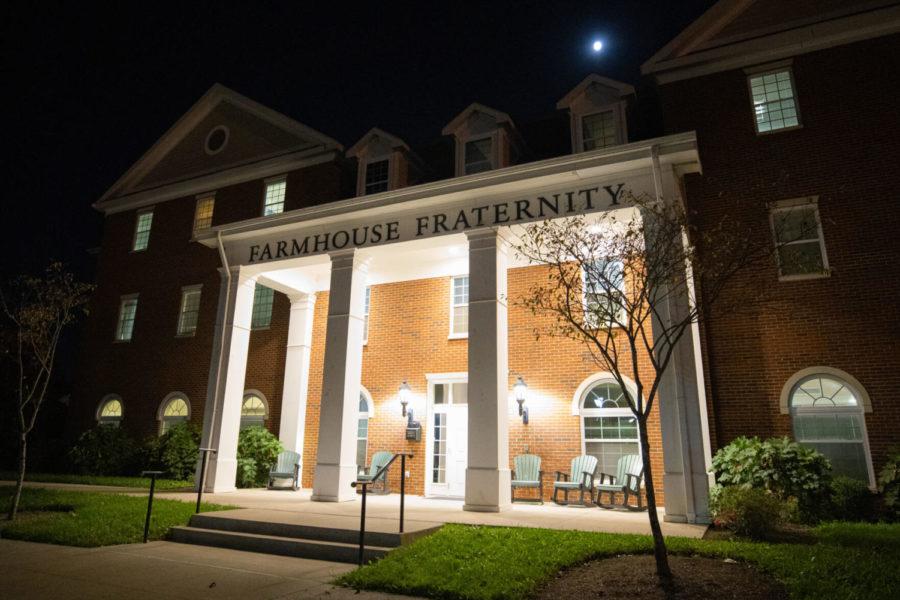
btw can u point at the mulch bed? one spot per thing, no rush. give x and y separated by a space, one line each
634 578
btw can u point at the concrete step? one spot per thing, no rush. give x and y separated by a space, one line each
274 544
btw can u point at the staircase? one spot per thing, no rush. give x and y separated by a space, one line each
286 534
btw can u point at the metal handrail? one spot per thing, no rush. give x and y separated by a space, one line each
365 486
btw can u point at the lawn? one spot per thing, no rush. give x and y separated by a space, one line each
136 482
846 561
90 518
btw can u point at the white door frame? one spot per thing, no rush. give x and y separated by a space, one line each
432 379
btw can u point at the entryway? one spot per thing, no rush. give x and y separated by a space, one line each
447 435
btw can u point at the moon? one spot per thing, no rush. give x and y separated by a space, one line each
597 46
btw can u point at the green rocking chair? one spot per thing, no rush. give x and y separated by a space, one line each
627 480
527 474
580 478
287 467
379 459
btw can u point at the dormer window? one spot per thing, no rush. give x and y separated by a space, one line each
597 113
486 139
377 176
478 156
385 163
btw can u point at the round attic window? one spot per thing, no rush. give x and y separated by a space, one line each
216 139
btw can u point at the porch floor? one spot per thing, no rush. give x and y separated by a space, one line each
382 513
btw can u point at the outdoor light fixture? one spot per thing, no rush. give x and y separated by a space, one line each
404 395
520 389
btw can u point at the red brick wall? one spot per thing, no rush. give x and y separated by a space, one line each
846 154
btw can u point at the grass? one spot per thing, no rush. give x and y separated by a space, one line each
90 518
135 482
846 561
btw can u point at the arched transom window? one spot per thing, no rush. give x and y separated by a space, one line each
362 431
110 412
609 429
827 415
253 410
175 410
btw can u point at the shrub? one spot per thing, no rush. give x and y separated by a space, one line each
889 484
851 500
103 450
176 452
749 512
257 453
777 465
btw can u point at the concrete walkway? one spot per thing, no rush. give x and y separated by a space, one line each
162 570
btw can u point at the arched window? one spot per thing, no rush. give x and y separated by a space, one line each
609 429
253 410
362 430
110 411
175 409
827 414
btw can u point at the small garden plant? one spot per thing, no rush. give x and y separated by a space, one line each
257 453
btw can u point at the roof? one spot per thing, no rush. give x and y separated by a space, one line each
624 89
375 132
475 107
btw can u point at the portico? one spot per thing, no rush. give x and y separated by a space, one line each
460 227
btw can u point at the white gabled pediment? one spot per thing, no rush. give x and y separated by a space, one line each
252 132
477 116
598 89
377 141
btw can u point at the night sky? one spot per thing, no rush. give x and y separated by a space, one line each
93 86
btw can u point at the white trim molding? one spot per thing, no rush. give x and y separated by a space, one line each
589 382
169 397
258 394
858 390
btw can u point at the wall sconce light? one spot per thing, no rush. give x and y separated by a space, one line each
520 389
405 392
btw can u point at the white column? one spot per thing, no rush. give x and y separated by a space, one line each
487 473
339 412
296 373
225 390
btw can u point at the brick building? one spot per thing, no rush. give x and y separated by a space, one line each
254 272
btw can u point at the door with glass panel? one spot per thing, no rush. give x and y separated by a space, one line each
448 417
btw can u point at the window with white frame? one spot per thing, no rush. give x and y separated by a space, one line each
274 202
127 313
603 285
827 416
142 224
377 176
366 315
263 298
111 411
253 410
599 130
478 156
459 306
189 314
203 213
774 104
610 430
175 410
797 229
362 432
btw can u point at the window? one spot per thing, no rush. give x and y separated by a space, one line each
362 432
377 176
798 236
274 202
610 430
175 410
599 130
774 105
190 310
478 156
142 230
603 284
253 410
263 298
459 306
827 415
110 412
203 213
366 315
127 312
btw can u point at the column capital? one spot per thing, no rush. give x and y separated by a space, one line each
348 259
302 300
236 272
486 237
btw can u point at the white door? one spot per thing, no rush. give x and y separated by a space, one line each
447 437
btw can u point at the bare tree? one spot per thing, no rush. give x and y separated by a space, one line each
37 310
625 285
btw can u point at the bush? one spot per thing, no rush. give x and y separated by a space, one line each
104 450
851 500
749 512
780 466
257 453
176 452
889 484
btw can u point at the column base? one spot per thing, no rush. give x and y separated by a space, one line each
332 483
487 490
221 475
